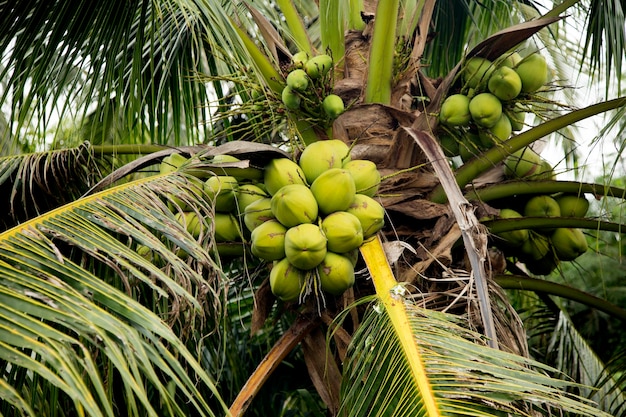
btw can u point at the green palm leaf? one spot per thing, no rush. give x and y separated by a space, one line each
38 182
462 24
407 360
136 61
604 39
556 339
576 357
467 378
70 329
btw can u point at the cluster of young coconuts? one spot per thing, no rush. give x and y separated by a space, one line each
486 110
319 212
541 250
307 86
224 192
308 218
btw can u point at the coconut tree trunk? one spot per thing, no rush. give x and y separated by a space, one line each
400 136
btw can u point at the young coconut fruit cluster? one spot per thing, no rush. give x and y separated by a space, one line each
308 88
318 213
225 194
542 249
486 109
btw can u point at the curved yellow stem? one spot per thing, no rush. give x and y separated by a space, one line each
390 294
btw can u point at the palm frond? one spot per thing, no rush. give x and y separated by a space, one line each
408 360
577 358
605 41
75 294
566 54
38 182
613 384
462 24
557 340
137 61
467 377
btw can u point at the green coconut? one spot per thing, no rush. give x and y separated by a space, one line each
499 132
280 172
533 72
542 206
305 246
286 281
369 212
569 243
318 66
343 231
572 205
320 156
336 273
226 228
334 190
333 106
477 71
523 163
486 109
171 163
267 241
298 80
365 174
191 222
258 212
536 247
299 59
505 83
455 110
514 238
290 98
294 204
248 194
221 190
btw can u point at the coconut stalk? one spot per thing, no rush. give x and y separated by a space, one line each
296 26
506 225
517 282
332 28
509 189
390 294
265 68
380 70
472 169
411 12
355 21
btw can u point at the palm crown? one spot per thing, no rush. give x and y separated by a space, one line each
123 294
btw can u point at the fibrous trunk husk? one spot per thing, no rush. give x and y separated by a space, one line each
376 132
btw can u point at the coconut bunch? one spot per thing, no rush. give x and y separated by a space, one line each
317 215
486 109
542 250
223 192
308 86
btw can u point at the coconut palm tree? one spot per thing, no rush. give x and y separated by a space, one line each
126 289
